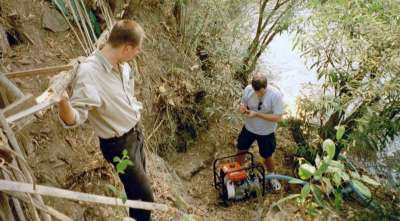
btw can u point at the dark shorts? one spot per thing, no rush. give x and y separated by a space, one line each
266 143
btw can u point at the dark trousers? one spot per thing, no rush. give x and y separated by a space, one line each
135 181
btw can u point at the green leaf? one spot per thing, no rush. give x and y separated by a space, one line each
338 199
355 175
361 188
337 179
317 194
125 153
339 132
123 197
306 171
113 189
369 180
329 148
304 192
344 176
121 166
116 159
321 170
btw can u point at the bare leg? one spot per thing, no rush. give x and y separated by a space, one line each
269 164
241 158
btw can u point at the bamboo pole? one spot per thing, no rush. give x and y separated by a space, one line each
18 206
24 168
10 87
6 185
51 211
83 23
78 24
39 71
73 30
89 23
5 209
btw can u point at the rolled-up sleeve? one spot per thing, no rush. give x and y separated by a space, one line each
84 97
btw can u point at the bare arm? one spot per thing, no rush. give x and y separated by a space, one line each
65 111
269 117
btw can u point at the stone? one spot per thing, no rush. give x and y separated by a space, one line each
54 21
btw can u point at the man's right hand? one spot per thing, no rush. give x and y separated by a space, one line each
243 109
65 109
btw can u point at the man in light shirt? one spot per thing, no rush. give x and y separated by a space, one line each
103 93
262 107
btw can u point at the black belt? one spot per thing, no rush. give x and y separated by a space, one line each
123 136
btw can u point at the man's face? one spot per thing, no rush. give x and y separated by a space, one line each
129 52
260 92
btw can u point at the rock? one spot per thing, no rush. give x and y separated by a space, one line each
54 21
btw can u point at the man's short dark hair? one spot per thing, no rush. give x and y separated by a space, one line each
259 81
126 32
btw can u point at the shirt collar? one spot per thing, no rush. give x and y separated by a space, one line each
103 60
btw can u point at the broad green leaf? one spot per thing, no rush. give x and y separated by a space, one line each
322 169
339 132
355 175
336 164
306 171
370 181
338 199
304 192
329 148
344 176
337 179
121 166
317 194
361 188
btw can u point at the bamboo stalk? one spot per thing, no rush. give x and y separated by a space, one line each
89 23
5 211
78 24
10 87
83 23
6 185
39 71
73 30
17 204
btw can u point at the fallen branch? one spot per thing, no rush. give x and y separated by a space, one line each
6 185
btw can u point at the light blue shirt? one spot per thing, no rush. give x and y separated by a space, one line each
272 103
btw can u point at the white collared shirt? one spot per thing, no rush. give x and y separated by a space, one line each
105 97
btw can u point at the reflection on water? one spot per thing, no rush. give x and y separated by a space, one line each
286 69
